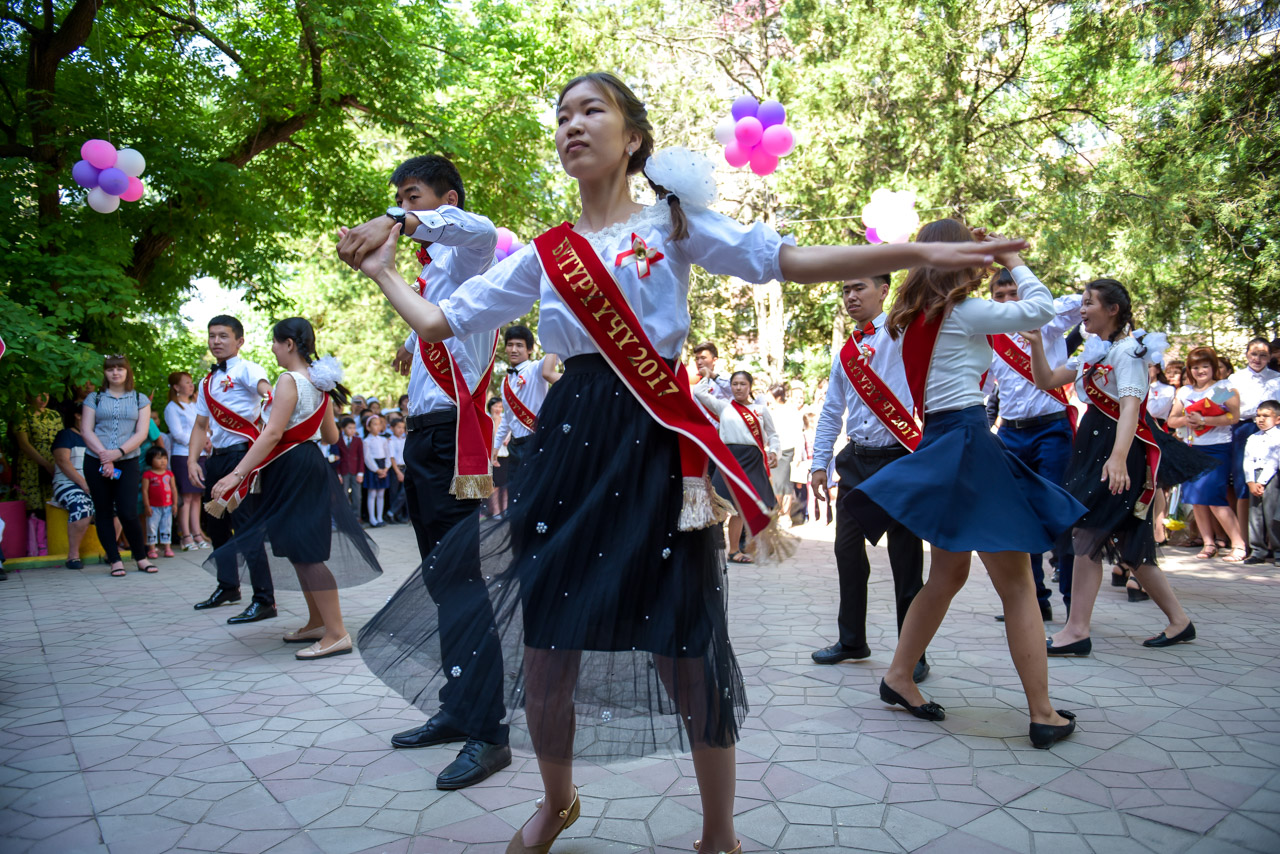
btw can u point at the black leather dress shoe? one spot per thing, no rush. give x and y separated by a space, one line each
1254 560
838 652
476 761
434 731
221 596
921 671
256 611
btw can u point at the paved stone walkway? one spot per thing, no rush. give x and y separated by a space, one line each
130 723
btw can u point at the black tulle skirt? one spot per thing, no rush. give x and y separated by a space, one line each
752 462
589 589
302 516
1110 528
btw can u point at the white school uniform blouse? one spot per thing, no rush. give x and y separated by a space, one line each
1020 399
1219 391
530 389
962 353
1262 456
733 430
715 243
1160 400
462 246
859 424
1128 374
1254 387
377 448
181 420
237 390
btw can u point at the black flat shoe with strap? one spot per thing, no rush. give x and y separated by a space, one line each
924 711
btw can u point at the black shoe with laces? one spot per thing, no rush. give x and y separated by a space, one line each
478 760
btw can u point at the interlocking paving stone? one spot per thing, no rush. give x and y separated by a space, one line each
130 723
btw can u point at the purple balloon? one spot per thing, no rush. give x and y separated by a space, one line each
743 106
771 113
85 174
113 181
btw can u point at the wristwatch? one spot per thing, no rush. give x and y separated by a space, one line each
398 214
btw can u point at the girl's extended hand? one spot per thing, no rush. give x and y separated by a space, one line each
963 256
1116 475
224 487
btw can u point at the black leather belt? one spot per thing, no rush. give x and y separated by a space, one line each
1038 421
431 419
517 442
893 450
238 448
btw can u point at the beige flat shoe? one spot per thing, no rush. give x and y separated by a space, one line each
338 647
300 636
568 816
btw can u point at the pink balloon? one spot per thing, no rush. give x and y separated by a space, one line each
748 131
135 191
771 113
505 239
763 163
737 155
100 153
778 140
872 237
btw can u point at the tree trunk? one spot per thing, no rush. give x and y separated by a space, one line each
771 326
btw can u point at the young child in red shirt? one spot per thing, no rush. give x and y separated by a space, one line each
157 501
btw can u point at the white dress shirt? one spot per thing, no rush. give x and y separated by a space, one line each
861 425
237 390
1254 387
715 243
733 430
962 353
1020 399
1128 374
1160 399
396 448
180 418
530 389
377 448
462 247
1219 392
1262 456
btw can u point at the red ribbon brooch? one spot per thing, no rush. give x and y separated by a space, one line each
642 254
227 383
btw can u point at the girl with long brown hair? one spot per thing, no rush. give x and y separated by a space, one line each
962 491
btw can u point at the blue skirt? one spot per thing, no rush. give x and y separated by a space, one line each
1210 488
963 491
1240 434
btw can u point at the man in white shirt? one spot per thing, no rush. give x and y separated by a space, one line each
710 380
455 246
523 390
872 446
1034 424
240 386
1255 382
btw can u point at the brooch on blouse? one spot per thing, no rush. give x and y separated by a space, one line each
643 255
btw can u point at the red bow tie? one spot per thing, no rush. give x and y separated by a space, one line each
865 331
424 257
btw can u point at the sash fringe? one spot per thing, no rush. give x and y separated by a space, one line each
702 508
774 545
471 486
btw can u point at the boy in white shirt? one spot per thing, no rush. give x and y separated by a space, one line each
1261 460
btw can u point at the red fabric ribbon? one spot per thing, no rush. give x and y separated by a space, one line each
642 253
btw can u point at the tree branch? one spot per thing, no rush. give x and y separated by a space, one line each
198 26
25 24
16 150
313 51
75 29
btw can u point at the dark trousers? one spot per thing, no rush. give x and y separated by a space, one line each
1264 520
906 552
466 616
222 529
116 499
516 450
1046 450
396 503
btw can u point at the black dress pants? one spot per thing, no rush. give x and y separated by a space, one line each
459 592
116 499
222 529
906 552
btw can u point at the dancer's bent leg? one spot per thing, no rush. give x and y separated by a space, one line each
550 677
1086 578
1161 592
948 572
322 598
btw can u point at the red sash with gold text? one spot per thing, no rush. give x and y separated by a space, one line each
918 341
522 413
757 430
878 397
1020 361
472 474
1110 407
593 295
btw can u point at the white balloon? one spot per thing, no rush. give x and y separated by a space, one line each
724 130
131 162
882 196
102 201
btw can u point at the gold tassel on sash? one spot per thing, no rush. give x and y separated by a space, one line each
465 486
701 507
773 544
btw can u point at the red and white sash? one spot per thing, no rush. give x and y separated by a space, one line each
522 413
878 397
593 295
241 426
1020 361
918 341
1110 407
756 428
472 474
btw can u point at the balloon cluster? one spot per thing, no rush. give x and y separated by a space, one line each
508 244
890 217
109 175
755 134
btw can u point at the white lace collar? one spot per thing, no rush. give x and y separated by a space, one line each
656 214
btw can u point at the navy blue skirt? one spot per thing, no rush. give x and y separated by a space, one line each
963 491
1240 434
1210 488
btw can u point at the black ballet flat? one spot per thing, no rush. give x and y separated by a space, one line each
1185 636
1080 648
1045 736
926 712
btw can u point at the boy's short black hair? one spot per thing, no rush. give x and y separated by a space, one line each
230 322
155 451
1273 405
709 347
519 333
435 171
346 419
1004 277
